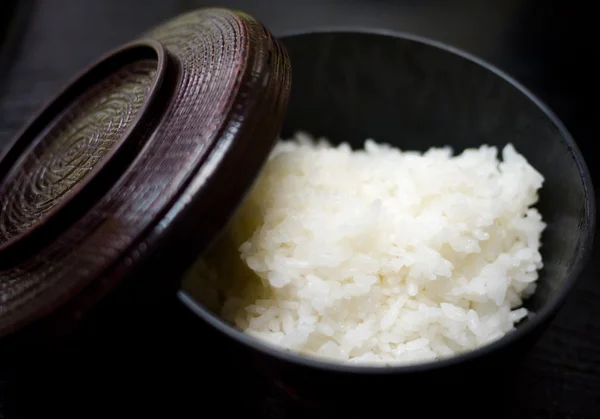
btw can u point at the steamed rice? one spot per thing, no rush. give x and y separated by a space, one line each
378 256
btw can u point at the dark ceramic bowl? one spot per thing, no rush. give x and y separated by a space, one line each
414 93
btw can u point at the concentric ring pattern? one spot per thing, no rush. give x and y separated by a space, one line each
72 148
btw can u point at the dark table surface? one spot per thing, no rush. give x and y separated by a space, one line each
549 46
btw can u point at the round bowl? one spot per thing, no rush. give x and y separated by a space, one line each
415 94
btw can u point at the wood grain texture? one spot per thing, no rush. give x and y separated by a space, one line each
560 378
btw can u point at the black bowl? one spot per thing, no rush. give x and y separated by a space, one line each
415 93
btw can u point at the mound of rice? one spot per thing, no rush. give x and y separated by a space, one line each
378 256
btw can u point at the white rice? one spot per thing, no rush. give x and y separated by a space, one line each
378 256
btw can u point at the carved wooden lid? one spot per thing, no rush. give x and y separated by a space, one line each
151 148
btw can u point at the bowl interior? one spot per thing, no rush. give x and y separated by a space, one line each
352 86
415 94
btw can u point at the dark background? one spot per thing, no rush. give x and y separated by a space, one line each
550 46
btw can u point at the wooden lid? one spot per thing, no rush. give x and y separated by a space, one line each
153 145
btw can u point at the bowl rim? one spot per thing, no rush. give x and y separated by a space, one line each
541 317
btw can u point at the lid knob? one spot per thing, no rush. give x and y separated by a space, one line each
78 147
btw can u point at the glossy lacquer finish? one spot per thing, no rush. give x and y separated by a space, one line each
130 160
416 94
